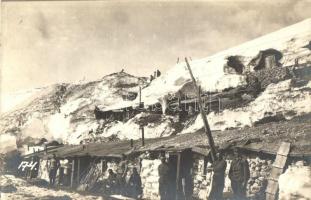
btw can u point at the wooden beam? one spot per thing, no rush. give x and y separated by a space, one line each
78 171
72 173
142 135
139 96
178 175
277 169
203 115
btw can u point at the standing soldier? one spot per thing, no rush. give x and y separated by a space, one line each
135 184
239 175
218 183
121 174
53 167
163 171
67 173
158 73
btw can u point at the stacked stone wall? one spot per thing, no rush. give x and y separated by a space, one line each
259 172
150 178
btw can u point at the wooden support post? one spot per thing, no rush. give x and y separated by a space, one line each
139 95
132 143
72 173
206 125
178 176
142 135
277 169
219 105
78 171
200 93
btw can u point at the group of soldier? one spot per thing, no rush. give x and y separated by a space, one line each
238 174
118 184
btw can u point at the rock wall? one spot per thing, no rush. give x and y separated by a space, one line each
259 172
202 182
43 170
150 178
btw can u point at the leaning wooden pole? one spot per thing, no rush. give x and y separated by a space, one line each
206 126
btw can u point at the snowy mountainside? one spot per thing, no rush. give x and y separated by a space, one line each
59 111
209 71
65 112
290 44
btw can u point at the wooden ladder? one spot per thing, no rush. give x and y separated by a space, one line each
277 170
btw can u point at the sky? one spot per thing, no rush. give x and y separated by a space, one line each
61 41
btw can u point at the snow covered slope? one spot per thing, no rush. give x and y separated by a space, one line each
65 111
210 71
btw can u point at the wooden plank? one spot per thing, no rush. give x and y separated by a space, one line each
280 161
208 131
284 149
72 173
178 175
272 187
270 196
277 170
78 170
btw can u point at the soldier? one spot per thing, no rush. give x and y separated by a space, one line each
218 183
121 174
135 184
67 173
53 167
158 73
239 174
112 181
151 78
164 175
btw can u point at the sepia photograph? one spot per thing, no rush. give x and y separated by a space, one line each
155 100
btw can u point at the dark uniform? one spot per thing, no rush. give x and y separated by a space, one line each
53 167
121 175
112 181
164 175
239 174
135 184
218 184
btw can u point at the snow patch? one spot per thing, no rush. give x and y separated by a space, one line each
58 126
35 128
295 183
130 130
8 143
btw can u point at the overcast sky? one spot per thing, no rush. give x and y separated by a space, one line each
48 42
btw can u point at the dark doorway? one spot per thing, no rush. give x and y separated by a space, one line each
181 185
172 161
